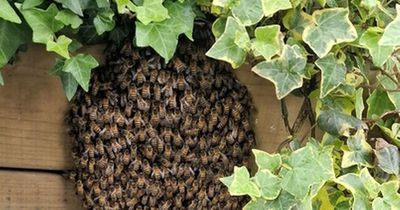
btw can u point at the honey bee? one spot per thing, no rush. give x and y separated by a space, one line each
168 151
165 205
79 187
105 103
157 173
178 201
153 75
93 113
108 116
118 117
181 82
177 157
171 101
152 202
116 147
204 158
146 90
213 119
191 158
95 88
139 76
83 161
148 152
102 162
102 199
137 119
110 152
86 138
167 135
110 168
223 120
133 93
91 166
135 55
178 64
117 192
152 132
141 181
94 127
143 105
133 150
146 168
103 182
96 188
162 110
126 158
176 117
128 109
246 124
236 152
131 202
214 140
167 90
124 83
155 118
201 123
178 140
227 105
192 142
136 163
181 188
203 143
142 134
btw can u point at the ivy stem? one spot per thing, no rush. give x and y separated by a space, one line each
285 116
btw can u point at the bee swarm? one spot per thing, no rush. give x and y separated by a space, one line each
150 135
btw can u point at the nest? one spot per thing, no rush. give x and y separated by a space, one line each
150 135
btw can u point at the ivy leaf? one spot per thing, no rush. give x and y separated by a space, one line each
267 161
255 204
388 157
391 197
391 35
286 72
360 152
269 184
73 5
1 80
218 26
272 6
378 103
295 21
42 22
31 3
333 73
225 47
151 11
363 186
69 18
359 103
163 36
303 164
320 36
380 54
240 184
80 67
248 12
284 201
70 85
60 46
268 41
337 123
104 21
389 84
8 13
121 5
392 134
103 3
12 36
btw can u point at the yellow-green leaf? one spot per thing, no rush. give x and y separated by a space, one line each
378 103
268 41
240 184
270 7
321 37
369 39
60 46
267 161
8 13
151 11
391 35
248 12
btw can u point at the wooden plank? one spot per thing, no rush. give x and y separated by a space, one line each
32 108
36 191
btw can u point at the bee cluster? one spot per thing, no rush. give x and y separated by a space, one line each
150 135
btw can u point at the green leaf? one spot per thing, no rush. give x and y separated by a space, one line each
248 12
240 183
255 204
269 184
218 26
270 7
8 13
304 163
267 161
163 36
284 201
225 47
12 36
359 103
68 81
392 134
151 11
121 5
103 3
362 186
295 21
379 204
333 73
389 84
223 3
391 35
80 67
60 46
268 41
104 21
1 80
42 22
337 123
390 194
69 18
286 72
320 36
74 5
31 3
360 152
380 54
388 157
378 103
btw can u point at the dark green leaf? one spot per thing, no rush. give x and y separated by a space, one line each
337 123
12 36
80 67
73 5
388 157
104 21
333 73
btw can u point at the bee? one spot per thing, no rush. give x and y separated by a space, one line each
137 119
146 168
236 151
153 75
202 173
95 88
102 162
118 117
103 182
133 150
108 116
131 202
167 135
141 181
204 158
146 90
86 138
110 168
105 103
178 201
94 127
148 152
139 76
215 155
201 124
177 157
152 202
136 163
124 83
176 117
222 144
168 151
227 105
122 142
223 120
91 166
126 158
192 142
83 161
162 77
102 199
181 188
167 90
171 101
142 134
246 124
165 205
144 67
116 147
213 120
157 174
128 109
191 158
181 82
193 204
96 188
178 64
187 122
135 55
142 104
151 131
79 187
155 118
178 140
132 93
241 135
162 110
214 140
117 192
93 113
157 92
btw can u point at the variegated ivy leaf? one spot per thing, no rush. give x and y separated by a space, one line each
151 11
248 12
295 21
303 163
388 83
284 201
333 73
218 26
270 7
121 5
8 13
257 204
391 35
359 151
225 47
286 72
363 187
269 184
391 197
378 103
336 123
267 161
369 39
268 41
240 184
60 46
320 35
359 103
388 157
223 3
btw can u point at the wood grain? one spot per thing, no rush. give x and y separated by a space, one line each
36 191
